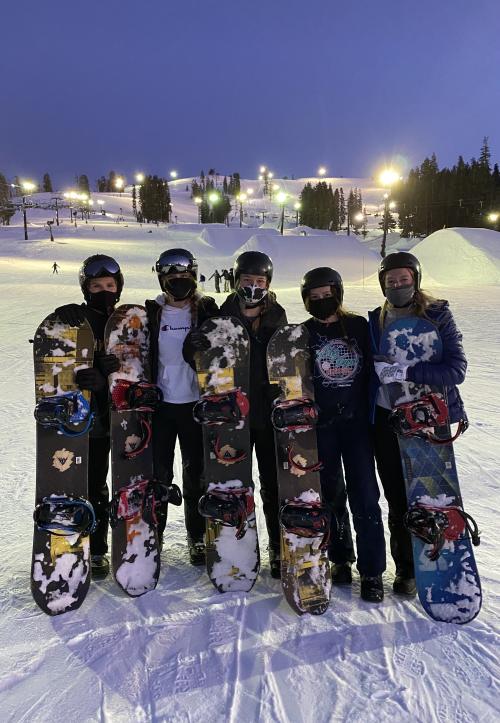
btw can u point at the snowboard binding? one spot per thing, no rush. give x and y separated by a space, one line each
135 396
294 414
65 516
226 408
142 498
297 464
134 448
226 454
306 520
230 509
436 525
65 413
417 418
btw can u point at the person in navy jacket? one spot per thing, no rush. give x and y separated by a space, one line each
342 364
400 276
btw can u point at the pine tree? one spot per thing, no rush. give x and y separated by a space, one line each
342 208
83 184
7 208
47 184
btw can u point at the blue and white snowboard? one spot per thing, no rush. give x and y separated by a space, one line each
448 587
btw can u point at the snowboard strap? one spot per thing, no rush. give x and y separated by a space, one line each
436 525
65 516
225 454
229 407
306 520
65 412
418 417
135 396
289 415
229 508
145 498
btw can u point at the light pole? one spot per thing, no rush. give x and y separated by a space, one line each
173 175
297 207
242 197
321 171
281 198
198 202
56 199
213 198
28 188
388 177
119 184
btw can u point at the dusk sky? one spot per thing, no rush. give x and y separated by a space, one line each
185 84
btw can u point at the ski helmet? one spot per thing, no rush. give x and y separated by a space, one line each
400 260
97 267
253 262
322 276
176 261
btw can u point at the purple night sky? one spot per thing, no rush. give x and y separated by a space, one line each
185 84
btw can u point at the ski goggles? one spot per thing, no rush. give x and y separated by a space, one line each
175 265
97 268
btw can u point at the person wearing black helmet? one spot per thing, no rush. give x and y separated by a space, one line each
101 282
255 305
173 320
400 276
341 358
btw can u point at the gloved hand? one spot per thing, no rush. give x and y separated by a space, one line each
90 379
389 373
72 314
106 363
195 341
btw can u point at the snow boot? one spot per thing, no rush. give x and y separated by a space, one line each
341 573
196 550
275 563
99 567
404 585
372 588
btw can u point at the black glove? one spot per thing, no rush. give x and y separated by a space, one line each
72 314
195 341
106 363
90 379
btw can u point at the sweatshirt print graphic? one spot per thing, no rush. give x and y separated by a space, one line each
337 363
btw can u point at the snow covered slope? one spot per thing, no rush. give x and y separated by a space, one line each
184 652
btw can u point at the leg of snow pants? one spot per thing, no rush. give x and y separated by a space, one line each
98 492
391 476
334 494
363 495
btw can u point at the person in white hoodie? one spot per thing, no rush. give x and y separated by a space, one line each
174 317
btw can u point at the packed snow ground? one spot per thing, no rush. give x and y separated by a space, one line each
185 652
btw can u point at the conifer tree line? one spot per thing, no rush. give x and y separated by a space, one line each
325 208
203 186
464 195
154 200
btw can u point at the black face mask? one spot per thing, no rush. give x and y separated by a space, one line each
179 289
323 308
402 296
252 295
103 301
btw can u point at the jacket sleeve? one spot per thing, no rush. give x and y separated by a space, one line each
450 371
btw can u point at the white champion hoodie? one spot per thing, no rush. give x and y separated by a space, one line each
176 378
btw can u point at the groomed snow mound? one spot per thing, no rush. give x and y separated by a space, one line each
460 257
293 255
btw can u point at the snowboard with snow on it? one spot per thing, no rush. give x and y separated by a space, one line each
135 494
304 522
232 549
60 570
443 534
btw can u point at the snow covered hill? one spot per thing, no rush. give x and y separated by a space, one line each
184 652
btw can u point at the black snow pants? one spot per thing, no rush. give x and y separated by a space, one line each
98 492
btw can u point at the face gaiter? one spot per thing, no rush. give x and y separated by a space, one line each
179 288
103 301
252 295
401 296
323 308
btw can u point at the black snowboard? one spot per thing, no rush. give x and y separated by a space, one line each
232 549
305 569
134 536
60 571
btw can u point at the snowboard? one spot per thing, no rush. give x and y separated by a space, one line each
135 550
446 575
304 525
60 570
223 372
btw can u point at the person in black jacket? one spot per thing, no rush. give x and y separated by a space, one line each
173 318
101 282
256 306
342 365
400 276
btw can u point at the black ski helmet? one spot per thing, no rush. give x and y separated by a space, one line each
400 260
322 276
253 262
97 267
176 261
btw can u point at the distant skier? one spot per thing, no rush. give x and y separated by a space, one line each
216 277
202 282
400 275
231 278
225 276
342 365
101 282
55 267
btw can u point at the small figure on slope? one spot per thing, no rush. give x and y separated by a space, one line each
340 350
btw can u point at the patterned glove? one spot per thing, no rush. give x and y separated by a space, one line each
389 373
